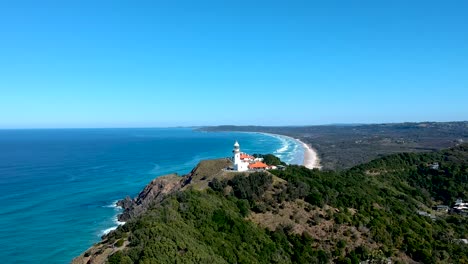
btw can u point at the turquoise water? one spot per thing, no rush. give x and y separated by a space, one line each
58 187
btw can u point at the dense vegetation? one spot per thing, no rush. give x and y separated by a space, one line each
380 198
387 193
344 146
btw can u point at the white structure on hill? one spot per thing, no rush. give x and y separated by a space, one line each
460 205
239 164
245 162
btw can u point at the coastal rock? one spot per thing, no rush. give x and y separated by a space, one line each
154 192
162 186
125 203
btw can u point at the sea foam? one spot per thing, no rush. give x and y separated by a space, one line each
110 229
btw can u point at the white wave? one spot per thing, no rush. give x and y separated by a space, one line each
283 149
115 218
113 205
291 150
284 146
110 229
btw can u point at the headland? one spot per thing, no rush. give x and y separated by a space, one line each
292 214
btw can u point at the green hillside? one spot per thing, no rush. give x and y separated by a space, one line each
373 211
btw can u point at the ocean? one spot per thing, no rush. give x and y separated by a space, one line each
59 186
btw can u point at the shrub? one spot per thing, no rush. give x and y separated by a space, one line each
119 242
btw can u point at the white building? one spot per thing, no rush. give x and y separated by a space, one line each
245 162
460 205
239 163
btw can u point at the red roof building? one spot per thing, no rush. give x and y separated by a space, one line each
257 165
244 156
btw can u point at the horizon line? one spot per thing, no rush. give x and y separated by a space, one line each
230 125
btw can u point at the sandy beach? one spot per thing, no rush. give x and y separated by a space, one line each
311 159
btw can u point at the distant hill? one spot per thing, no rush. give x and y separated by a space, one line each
380 211
344 146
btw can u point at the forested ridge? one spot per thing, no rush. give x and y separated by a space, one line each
297 215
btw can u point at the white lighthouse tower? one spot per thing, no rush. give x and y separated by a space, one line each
239 165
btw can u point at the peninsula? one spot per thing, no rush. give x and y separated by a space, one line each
389 209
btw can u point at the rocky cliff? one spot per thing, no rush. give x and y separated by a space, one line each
152 194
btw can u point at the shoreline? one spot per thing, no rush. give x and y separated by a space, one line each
311 159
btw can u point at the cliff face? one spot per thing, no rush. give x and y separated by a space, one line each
162 186
154 192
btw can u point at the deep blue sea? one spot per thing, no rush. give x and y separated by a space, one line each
58 187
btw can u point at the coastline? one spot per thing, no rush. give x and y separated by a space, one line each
118 210
311 158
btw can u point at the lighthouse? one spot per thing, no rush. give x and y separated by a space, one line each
239 164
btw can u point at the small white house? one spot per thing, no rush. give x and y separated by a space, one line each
460 205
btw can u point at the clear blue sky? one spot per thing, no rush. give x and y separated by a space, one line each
169 63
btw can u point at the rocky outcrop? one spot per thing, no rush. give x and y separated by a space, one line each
152 194
162 186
